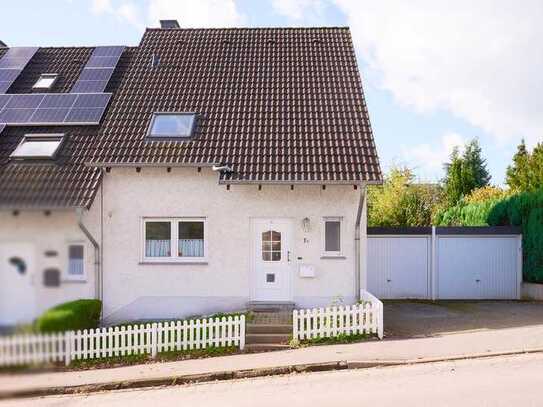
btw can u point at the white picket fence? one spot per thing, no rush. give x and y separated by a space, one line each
364 318
121 341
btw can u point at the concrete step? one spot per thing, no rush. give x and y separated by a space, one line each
267 306
263 347
267 338
268 329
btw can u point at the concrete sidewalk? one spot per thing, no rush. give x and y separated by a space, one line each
454 345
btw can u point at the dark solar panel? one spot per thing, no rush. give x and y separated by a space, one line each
15 116
4 86
24 101
12 63
84 116
109 51
4 99
102 62
9 74
59 100
57 109
95 74
98 70
49 116
92 100
89 87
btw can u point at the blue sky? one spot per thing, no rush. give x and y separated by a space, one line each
434 74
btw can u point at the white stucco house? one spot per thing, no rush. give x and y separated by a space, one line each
200 171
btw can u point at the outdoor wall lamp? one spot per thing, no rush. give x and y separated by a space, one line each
306 223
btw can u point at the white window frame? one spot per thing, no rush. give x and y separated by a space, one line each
44 76
75 277
30 138
174 236
332 254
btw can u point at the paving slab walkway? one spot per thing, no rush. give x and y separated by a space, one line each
465 343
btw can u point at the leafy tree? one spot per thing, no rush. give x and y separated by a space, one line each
526 172
465 172
476 164
400 201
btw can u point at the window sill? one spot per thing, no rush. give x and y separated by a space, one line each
73 281
333 256
173 262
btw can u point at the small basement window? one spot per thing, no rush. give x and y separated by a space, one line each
172 125
38 146
46 81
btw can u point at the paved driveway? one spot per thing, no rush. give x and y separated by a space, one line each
408 319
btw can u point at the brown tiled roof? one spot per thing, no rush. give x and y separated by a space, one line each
275 104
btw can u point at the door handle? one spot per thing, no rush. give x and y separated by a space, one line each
388 280
288 256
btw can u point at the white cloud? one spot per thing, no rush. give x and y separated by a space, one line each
201 13
480 60
297 9
427 160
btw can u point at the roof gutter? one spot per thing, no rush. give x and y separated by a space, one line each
97 268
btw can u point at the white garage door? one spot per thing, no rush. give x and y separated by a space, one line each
398 266
477 267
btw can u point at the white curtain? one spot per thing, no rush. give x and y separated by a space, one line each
191 247
157 248
75 267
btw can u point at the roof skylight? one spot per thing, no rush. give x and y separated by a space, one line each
172 125
46 81
38 146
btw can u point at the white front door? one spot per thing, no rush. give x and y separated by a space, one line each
17 301
272 259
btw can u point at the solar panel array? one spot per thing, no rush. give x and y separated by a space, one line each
41 109
12 64
98 70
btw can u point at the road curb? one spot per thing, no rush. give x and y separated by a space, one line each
243 374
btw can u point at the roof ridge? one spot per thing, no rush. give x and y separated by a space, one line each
300 28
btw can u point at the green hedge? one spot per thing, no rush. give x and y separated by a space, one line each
524 209
74 315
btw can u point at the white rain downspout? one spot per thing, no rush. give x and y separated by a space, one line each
357 255
97 291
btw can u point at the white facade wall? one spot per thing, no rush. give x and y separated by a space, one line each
40 233
134 290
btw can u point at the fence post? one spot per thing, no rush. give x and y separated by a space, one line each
154 340
242 332
380 322
68 336
295 325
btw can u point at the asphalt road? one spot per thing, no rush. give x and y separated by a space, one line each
504 381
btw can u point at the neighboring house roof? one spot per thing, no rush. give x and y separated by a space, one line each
274 104
67 181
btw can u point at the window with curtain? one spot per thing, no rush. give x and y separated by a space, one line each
190 239
76 261
174 239
158 239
